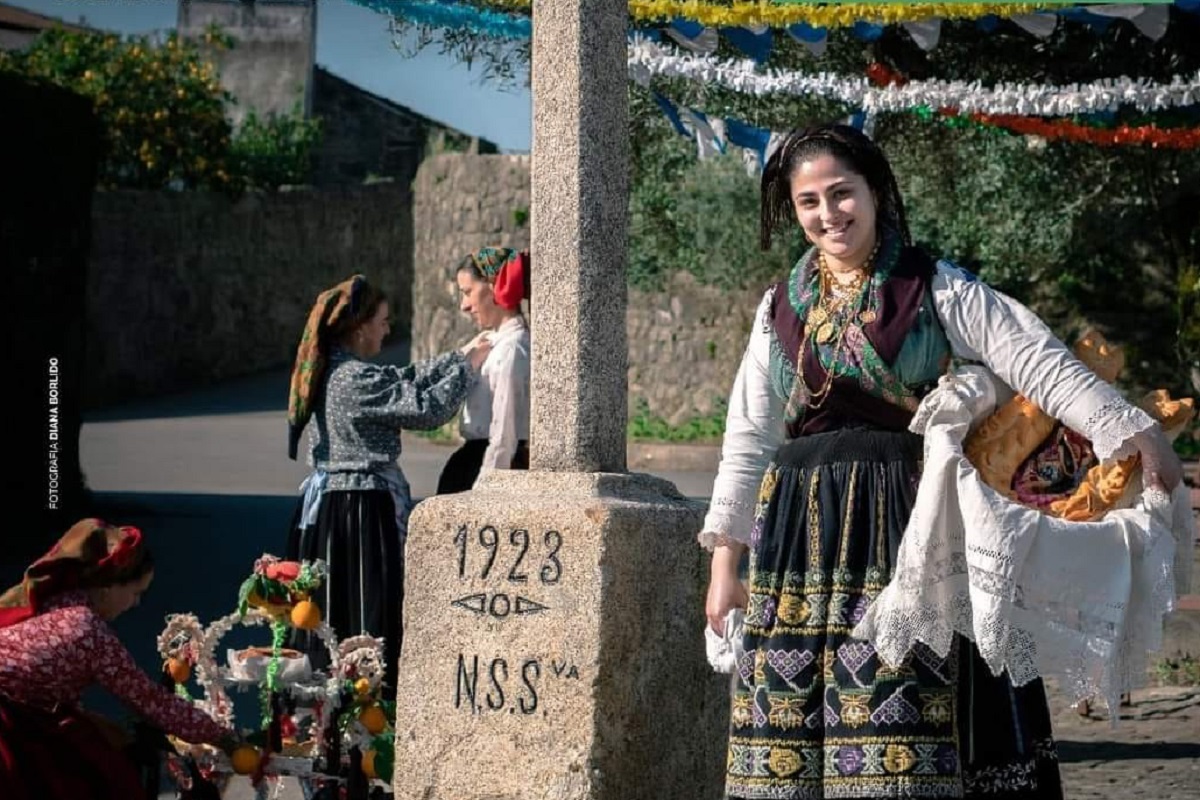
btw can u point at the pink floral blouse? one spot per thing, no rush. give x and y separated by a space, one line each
51 658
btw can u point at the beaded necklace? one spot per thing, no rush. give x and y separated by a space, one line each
832 316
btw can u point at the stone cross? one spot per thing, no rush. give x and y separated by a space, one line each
553 618
580 196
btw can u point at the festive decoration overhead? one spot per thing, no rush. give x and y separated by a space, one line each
714 136
748 13
648 59
436 14
804 21
1065 130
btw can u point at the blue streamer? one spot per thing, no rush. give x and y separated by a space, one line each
687 27
437 14
668 108
745 135
867 31
755 45
807 33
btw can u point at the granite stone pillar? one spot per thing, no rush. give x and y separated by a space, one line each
553 644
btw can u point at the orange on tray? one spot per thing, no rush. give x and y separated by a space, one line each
244 759
373 719
306 615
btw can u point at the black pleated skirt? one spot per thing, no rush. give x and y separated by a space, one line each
815 713
465 463
355 534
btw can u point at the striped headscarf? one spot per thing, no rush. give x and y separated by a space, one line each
91 553
507 270
312 355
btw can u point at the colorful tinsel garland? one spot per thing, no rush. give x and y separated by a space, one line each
892 93
746 13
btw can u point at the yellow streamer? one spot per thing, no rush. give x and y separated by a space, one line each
781 13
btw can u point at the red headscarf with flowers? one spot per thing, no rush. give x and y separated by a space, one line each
91 553
507 270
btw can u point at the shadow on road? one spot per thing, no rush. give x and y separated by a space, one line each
1072 752
266 391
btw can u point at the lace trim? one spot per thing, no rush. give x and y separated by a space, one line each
1112 426
729 521
965 568
1094 646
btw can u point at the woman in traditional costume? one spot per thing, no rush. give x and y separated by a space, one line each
495 417
354 508
56 642
818 477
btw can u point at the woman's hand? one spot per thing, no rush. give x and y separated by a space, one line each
725 589
477 350
1160 463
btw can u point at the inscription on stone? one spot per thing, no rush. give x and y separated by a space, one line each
498 605
488 546
513 689
515 556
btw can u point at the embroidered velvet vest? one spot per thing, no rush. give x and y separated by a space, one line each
883 367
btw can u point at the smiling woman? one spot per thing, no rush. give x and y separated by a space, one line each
818 479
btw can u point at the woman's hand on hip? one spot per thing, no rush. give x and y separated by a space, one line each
725 589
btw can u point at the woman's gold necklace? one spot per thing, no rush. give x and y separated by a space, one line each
823 318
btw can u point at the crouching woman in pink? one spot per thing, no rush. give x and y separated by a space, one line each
55 642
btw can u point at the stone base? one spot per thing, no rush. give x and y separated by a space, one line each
553 645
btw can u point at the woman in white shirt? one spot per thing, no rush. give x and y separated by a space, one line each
495 419
817 480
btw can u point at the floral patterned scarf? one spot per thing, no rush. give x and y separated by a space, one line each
91 552
312 355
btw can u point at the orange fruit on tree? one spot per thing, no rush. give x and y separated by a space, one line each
305 615
244 759
373 719
368 764
179 670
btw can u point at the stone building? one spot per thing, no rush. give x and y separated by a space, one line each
272 69
19 27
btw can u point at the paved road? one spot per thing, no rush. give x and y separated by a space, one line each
206 476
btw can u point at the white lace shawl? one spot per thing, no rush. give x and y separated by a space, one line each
981 325
1081 602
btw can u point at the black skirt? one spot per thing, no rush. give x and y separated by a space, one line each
355 534
463 466
815 713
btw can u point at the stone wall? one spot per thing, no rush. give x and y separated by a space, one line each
188 289
461 202
685 343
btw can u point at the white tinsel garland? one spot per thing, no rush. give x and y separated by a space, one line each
648 59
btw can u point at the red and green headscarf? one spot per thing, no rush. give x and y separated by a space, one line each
312 355
507 270
91 553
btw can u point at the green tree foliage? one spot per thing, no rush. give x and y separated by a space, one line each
162 112
1086 235
161 107
274 150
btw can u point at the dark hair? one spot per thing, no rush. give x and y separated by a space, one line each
848 145
468 265
365 300
141 565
